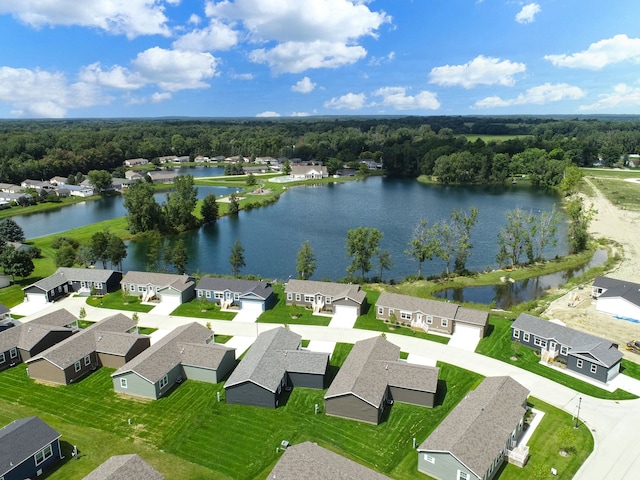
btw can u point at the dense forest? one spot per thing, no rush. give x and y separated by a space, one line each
408 146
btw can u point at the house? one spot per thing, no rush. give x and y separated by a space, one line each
617 297
633 160
10 188
166 287
58 181
120 184
255 169
121 467
371 164
326 297
202 159
167 159
162 176
132 176
15 198
132 162
594 357
37 185
248 294
273 366
83 281
5 313
28 448
79 190
300 172
373 377
264 160
431 315
473 441
188 352
25 340
309 460
109 342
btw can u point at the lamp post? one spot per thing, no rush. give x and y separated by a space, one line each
578 414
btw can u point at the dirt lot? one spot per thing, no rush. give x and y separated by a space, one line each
623 227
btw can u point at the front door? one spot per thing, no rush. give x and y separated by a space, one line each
552 347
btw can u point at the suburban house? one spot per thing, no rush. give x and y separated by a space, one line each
309 460
326 297
594 357
109 342
123 467
132 176
617 297
15 198
132 162
300 172
28 448
166 287
79 190
10 188
83 281
21 342
248 294
272 367
431 315
165 176
187 352
37 185
472 442
373 377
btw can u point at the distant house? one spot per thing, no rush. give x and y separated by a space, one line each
58 181
109 342
373 377
477 436
326 296
633 160
166 287
594 357
132 175
79 280
37 185
201 159
187 352
10 188
15 198
79 190
120 184
162 176
617 297
274 365
309 460
132 162
248 294
430 315
121 467
300 172
371 164
264 160
167 159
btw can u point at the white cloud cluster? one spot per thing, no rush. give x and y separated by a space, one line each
215 36
623 96
539 95
304 85
617 49
528 13
479 71
268 114
397 98
350 101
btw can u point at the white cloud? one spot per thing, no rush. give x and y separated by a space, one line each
194 19
129 17
158 97
622 96
241 76
600 54
117 77
350 101
216 36
539 95
268 114
528 13
377 61
304 85
479 71
300 114
397 98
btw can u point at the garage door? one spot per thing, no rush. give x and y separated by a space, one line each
346 310
248 305
36 298
170 299
469 331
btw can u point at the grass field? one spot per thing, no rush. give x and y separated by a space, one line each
206 310
619 192
493 138
117 301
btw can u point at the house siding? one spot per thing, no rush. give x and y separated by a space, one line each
248 393
111 361
200 374
51 339
601 372
307 380
435 325
445 467
414 397
352 407
8 361
44 370
28 468
136 385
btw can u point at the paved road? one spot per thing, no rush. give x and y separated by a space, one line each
615 425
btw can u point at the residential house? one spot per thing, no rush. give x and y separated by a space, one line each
309 460
617 297
431 315
202 159
594 357
10 188
264 160
83 281
167 159
472 442
255 169
58 181
15 198
28 448
79 190
326 297
247 294
373 377
120 184
37 185
125 467
165 287
162 176
132 162
274 365
187 352
371 164
109 342
633 160
132 176
310 172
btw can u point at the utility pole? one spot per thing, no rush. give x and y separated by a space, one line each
578 414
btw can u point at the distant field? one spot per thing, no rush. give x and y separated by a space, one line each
494 138
620 193
611 172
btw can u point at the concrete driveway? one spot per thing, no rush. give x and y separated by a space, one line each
343 320
163 308
465 340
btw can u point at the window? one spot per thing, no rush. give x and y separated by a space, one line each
516 333
199 293
141 288
218 295
236 296
87 360
208 294
164 381
538 342
525 337
43 454
13 353
405 315
594 368
2 359
308 298
463 475
289 296
429 458
97 285
298 297
444 322
132 288
123 383
327 300
564 350
77 366
83 284
429 319
579 363
380 310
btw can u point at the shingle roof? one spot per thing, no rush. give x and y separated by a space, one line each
179 282
272 354
618 288
64 275
477 429
309 461
335 290
58 318
605 351
372 365
21 439
26 336
241 287
125 467
3 309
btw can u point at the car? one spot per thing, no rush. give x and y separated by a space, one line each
634 346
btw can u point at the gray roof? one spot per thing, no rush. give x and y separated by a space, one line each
477 429
65 275
618 288
26 336
161 280
433 307
21 439
335 290
241 287
183 345
372 366
309 461
125 467
274 353
58 318
3 309
604 351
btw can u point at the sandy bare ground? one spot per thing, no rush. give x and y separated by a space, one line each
623 227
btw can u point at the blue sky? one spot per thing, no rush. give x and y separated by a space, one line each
269 58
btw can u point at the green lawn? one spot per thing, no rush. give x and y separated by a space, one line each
498 345
288 314
631 369
207 310
619 192
117 301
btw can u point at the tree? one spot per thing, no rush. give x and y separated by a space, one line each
463 223
236 259
305 261
363 244
65 256
100 247
542 233
209 209
286 167
514 237
116 250
384 262
579 220
143 212
16 263
333 165
571 179
251 179
423 244
82 314
10 231
100 179
180 204
60 241
84 255
155 252
179 257
234 205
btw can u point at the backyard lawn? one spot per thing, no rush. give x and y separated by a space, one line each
198 309
117 301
